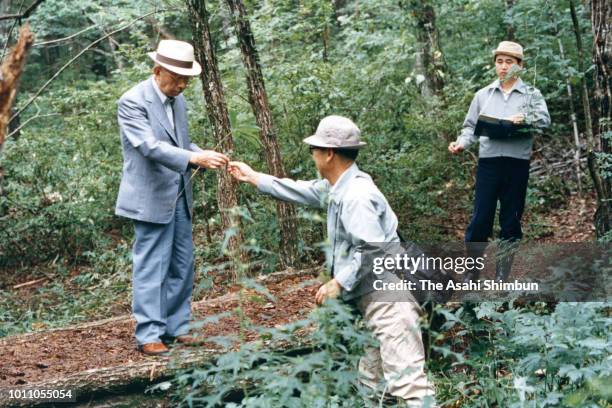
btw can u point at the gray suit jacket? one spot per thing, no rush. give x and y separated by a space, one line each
154 157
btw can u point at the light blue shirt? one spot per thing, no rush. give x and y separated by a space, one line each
491 101
357 214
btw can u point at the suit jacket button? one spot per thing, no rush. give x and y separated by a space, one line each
176 181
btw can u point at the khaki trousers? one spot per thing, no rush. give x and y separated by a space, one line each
400 359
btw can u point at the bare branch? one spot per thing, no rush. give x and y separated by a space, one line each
23 15
65 38
66 65
8 36
28 121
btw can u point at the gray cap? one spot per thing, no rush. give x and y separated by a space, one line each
336 132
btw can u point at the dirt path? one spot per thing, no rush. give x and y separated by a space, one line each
41 357
570 222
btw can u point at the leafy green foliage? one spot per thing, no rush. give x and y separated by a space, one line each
520 357
318 57
263 376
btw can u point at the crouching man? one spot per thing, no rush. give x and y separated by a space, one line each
357 214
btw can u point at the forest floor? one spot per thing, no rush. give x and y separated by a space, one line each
42 357
45 355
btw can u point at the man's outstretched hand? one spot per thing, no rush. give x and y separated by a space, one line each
209 159
243 172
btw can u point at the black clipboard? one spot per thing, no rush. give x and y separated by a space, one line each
501 129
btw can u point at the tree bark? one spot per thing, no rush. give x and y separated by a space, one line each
601 19
584 92
430 55
570 95
258 99
222 132
10 72
510 29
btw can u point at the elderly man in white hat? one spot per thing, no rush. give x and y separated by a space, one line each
503 164
357 214
156 194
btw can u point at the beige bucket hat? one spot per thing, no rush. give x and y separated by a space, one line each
336 132
176 56
509 48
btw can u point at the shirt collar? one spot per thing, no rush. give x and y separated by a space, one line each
341 185
519 86
162 96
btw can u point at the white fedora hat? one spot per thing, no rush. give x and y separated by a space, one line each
336 132
176 56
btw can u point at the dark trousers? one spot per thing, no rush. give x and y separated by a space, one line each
502 179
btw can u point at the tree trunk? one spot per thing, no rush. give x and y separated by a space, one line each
428 48
584 93
510 29
601 18
222 132
258 99
570 94
10 72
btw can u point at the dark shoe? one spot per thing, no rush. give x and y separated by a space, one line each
153 349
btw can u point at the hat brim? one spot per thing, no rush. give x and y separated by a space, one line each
316 142
512 54
193 71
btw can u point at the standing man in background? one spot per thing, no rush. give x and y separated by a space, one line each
156 193
503 164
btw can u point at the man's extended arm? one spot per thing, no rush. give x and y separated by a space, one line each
310 193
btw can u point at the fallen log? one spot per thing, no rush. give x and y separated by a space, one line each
87 384
133 368
262 279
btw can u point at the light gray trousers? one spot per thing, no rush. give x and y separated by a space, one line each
398 365
162 279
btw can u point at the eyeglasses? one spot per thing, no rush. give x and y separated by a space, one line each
177 77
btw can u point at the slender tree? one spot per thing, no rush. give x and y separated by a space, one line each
601 19
573 120
10 72
510 29
584 93
219 119
258 99
429 55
